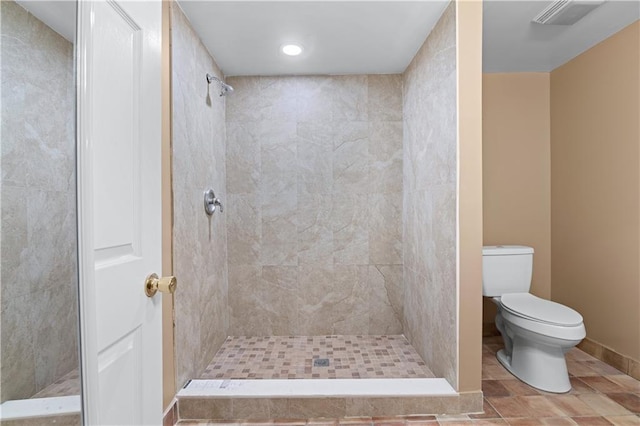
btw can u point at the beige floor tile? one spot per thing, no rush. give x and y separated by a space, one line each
558 421
571 406
602 405
628 383
624 420
510 407
541 406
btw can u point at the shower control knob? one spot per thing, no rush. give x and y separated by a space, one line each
153 284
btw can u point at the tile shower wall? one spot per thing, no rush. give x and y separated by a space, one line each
199 241
39 281
429 224
314 176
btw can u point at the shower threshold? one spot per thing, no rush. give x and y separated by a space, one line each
305 377
316 388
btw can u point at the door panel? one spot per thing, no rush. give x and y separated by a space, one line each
120 209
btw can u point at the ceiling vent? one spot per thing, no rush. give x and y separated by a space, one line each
566 12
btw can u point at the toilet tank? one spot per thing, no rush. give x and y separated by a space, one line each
506 269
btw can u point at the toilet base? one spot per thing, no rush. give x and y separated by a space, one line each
542 369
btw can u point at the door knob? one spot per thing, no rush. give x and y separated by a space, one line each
153 284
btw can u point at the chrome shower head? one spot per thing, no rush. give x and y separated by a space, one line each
225 88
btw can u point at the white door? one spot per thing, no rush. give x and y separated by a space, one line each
119 130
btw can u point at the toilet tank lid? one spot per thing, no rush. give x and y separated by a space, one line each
506 250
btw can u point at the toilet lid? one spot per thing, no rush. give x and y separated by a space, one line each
529 306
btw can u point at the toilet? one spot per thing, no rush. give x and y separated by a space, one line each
536 332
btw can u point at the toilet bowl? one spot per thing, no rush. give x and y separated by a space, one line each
535 346
536 332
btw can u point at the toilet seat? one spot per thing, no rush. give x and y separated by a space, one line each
528 306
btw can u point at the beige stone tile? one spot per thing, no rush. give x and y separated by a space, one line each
244 229
384 97
279 229
251 408
18 354
315 157
315 234
376 407
431 405
195 409
349 224
314 100
243 158
349 98
317 407
351 158
386 299
66 420
385 140
385 228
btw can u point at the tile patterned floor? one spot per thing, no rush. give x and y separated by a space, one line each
601 395
293 358
67 385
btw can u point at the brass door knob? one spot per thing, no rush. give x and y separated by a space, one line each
153 284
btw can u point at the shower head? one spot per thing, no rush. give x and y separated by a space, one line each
225 88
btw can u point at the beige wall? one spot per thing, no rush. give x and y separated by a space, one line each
596 186
470 195
517 170
314 176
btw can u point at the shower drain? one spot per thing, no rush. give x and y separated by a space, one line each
321 362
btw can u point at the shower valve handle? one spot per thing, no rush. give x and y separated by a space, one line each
216 202
211 202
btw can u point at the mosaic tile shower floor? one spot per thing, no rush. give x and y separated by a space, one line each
350 357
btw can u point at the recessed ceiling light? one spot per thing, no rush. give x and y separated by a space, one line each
292 49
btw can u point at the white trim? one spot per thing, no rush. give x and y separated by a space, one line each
456 23
86 262
40 407
317 388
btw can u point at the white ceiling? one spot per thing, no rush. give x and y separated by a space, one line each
59 15
512 43
361 37
339 37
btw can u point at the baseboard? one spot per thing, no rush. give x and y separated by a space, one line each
607 355
489 329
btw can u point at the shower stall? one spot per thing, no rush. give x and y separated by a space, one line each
335 255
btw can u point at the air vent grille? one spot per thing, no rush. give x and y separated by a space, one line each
566 12
550 11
